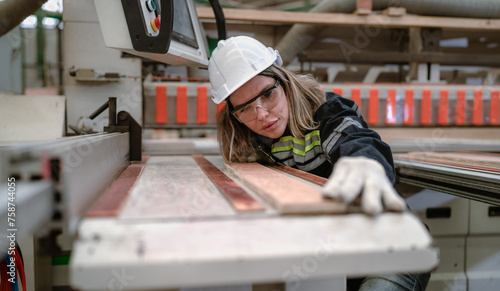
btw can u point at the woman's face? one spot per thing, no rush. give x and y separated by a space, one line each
269 122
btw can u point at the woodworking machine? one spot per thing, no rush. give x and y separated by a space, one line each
153 222
135 222
171 222
164 223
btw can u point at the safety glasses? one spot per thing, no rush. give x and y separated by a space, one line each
266 100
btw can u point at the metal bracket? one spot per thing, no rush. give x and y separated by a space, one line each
430 39
123 122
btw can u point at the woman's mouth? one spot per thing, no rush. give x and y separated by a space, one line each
270 126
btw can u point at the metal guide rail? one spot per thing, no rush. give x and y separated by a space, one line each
62 176
187 222
477 176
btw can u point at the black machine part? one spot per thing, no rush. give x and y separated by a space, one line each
123 122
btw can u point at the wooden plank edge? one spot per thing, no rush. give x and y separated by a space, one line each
443 163
113 200
317 180
479 161
345 19
278 207
239 199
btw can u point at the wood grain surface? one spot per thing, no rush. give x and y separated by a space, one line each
174 187
301 174
112 201
286 194
468 160
234 193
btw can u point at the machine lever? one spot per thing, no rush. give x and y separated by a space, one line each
123 122
111 104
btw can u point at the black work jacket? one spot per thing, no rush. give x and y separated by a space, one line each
342 132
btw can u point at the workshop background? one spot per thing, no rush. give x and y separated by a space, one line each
426 78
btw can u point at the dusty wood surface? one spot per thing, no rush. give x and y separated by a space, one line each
286 194
175 187
342 19
112 201
235 194
237 251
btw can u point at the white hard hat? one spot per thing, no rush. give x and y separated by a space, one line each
235 61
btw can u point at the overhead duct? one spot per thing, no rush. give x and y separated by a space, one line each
13 12
300 36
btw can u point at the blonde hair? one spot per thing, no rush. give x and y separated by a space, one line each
304 97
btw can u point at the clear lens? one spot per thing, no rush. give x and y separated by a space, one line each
267 101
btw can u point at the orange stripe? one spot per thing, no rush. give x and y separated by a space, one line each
477 108
113 200
356 97
161 104
239 198
181 104
425 108
202 105
373 107
460 108
494 106
408 107
219 108
337 91
390 107
443 107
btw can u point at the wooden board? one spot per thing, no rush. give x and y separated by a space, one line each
345 19
236 195
111 203
286 194
301 174
161 255
174 187
469 160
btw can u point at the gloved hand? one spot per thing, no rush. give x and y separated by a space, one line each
352 176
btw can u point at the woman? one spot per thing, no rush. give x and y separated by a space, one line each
273 115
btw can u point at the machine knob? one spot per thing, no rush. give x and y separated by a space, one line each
155 23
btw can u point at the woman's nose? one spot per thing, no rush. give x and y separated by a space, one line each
262 113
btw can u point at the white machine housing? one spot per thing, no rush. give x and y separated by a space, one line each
115 32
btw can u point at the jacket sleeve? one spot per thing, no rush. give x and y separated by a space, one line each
345 133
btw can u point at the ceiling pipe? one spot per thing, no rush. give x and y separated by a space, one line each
13 12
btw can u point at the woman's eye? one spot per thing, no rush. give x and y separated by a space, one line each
268 93
244 109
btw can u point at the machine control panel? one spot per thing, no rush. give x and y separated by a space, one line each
144 19
151 16
167 31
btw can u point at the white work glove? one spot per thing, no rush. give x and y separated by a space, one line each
352 176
